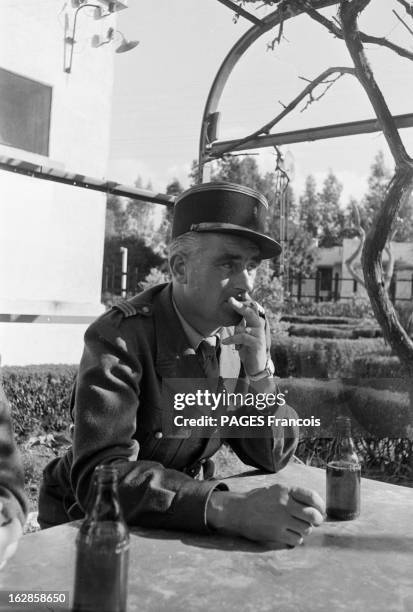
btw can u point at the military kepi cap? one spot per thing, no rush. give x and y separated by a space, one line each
224 208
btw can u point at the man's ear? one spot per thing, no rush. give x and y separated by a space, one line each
178 268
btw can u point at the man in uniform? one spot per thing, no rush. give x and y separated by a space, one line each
13 506
201 325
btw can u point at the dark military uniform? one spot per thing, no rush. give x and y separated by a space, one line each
12 495
128 352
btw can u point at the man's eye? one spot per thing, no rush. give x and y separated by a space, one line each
227 265
252 266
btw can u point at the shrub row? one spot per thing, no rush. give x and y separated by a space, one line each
358 308
374 411
330 331
320 358
378 366
38 396
317 320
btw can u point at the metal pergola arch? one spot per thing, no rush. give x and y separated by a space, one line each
210 147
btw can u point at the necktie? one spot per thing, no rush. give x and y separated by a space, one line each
209 357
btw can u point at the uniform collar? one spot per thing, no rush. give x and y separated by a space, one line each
193 335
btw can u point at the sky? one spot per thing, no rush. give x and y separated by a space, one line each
162 85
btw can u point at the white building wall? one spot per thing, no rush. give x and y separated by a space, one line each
51 235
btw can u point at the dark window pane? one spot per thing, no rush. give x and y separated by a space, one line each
326 278
24 113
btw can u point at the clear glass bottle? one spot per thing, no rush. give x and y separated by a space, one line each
343 475
101 573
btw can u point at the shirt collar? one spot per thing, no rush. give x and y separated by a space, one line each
194 337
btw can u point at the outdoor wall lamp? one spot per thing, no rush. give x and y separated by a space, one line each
70 40
125 45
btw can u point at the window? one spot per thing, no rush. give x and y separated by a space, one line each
326 278
24 113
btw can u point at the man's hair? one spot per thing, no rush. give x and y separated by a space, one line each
188 245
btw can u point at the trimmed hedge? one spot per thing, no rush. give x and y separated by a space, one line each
319 331
320 358
374 411
332 331
358 308
378 365
38 396
313 320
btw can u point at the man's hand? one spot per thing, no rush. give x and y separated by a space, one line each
249 337
272 514
10 532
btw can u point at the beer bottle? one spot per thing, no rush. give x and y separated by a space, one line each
343 475
102 544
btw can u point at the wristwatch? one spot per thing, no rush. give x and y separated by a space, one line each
267 371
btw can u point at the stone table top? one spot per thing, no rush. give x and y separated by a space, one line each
361 565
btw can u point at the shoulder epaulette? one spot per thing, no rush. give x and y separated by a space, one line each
129 309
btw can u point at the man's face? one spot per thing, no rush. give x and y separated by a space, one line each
224 267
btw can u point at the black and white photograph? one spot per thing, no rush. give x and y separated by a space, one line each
206 305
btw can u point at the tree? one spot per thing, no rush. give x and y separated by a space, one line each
116 216
378 182
163 234
130 223
333 218
310 217
320 212
346 28
364 213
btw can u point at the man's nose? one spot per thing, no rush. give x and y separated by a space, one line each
244 281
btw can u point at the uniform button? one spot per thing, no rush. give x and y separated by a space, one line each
145 309
158 435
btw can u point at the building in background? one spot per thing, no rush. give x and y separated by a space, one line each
55 110
333 281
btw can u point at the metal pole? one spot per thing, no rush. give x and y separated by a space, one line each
299 286
124 277
49 173
336 278
323 132
317 286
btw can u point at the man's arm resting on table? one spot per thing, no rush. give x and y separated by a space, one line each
106 403
272 514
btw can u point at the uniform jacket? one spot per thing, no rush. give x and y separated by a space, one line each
12 495
117 402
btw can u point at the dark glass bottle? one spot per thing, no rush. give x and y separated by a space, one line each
343 476
101 573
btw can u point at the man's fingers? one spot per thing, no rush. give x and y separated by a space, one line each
308 498
301 527
309 514
243 338
291 538
247 309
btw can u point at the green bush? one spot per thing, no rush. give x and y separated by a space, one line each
375 412
382 365
334 331
381 425
318 320
319 331
318 357
357 308
38 396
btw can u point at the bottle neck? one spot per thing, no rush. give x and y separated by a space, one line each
106 506
344 448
